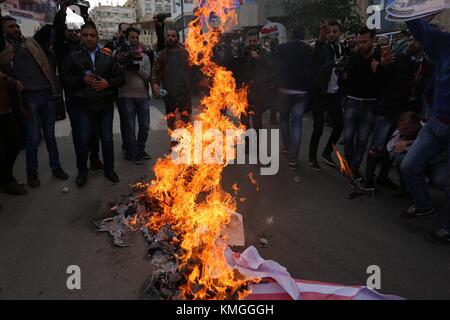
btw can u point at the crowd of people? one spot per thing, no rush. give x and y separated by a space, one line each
386 100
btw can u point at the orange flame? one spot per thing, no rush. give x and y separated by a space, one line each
343 164
253 180
192 200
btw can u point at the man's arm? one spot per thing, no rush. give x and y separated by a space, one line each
59 25
433 40
69 79
145 69
157 69
117 78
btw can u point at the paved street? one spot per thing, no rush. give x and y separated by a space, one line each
317 234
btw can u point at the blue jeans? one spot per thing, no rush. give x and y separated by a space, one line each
397 163
358 123
88 122
432 140
73 117
43 116
292 107
377 152
133 107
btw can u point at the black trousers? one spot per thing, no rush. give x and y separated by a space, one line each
10 145
331 103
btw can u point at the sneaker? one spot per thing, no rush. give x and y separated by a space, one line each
138 160
15 188
33 182
81 179
146 156
286 152
441 237
387 182
60 174
328 160
97 165
315 165
412 212
112 176
293 165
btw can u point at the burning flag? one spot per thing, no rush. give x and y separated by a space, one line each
189 197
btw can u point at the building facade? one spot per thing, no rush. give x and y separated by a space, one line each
107 19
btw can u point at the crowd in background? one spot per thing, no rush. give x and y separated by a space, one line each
386 100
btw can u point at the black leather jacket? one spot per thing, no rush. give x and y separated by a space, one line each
77 65
323 62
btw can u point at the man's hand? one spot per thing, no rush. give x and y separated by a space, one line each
401 146
387 57
18 84
324 31
89 80
375 64
100 84
156 90
254 54
63 5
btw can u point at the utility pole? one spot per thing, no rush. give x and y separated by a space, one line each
182 21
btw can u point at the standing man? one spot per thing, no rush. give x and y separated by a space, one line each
294 73
92 79
10 143
257 72
25 60
351 44
173 73
134 96
435 135
361 87
327 97
67 41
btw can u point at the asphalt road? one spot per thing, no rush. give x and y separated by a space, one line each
316 233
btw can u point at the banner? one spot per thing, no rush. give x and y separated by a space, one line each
404 10
41 11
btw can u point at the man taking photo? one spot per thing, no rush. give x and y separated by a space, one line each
134 96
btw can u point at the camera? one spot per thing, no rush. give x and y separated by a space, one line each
131 52
340 66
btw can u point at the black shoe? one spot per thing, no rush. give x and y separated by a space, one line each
97 165
81 179
328 160
146 156
34 182
412 212
138 160
315 165
387 182
441 237
15 188
60 174
293 165
127 157
112 176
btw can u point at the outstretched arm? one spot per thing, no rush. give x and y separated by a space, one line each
433 40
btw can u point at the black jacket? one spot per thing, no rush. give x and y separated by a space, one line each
75 68
323 61
61 46
293 64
